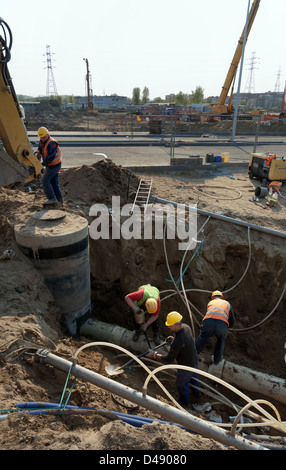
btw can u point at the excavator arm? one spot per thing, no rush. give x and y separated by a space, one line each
17 160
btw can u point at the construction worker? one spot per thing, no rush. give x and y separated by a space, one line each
147 297
218 319
50 152
182 351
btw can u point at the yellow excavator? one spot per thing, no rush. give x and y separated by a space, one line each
221 108
18 164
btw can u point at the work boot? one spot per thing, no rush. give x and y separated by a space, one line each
50 201
136 335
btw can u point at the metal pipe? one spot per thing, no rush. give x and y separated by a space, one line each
172 414
112 333
223 218
240 75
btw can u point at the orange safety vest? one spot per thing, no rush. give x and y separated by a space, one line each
218 309
58 156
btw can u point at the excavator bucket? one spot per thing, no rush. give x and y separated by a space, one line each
11 171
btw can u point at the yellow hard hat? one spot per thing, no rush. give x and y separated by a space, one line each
151 305
42 131
172 318
217 292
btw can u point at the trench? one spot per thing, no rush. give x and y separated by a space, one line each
248 266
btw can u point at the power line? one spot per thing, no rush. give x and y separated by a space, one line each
51 88
277 84
250 84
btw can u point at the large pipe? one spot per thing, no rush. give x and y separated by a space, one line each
222 217
248 379
172 414
243 377
112 333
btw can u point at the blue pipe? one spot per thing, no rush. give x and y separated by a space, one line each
134 420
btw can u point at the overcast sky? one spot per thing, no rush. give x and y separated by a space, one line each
165 45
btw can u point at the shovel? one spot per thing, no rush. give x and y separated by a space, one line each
116 369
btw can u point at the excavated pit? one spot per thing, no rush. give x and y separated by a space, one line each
249 264
119 267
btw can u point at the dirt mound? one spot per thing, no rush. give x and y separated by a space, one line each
97 183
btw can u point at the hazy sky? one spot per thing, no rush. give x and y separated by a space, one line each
165 45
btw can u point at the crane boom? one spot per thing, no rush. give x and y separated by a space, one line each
220 106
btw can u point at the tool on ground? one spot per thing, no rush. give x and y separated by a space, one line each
147 339
117 369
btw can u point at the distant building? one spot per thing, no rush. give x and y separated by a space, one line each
102 102
29 105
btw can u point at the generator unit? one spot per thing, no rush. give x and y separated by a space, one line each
266 168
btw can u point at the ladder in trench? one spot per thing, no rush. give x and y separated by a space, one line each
143 194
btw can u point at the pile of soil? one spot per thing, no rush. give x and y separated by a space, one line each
57 119
29 317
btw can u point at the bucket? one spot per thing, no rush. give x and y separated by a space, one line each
218 158
225 156
261 192
209 157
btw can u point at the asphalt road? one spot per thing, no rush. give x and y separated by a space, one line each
145 150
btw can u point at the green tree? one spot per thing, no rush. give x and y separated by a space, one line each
136 96
145 95
182 98
158 99
198 95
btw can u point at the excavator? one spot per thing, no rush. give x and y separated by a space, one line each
221 108
18 164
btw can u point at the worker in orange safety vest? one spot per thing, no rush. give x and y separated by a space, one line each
50 152
216 322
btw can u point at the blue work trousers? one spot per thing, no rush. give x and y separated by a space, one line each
212 327
184 381
50 183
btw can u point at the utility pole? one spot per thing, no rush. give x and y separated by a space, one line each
51 88
277 84
240 75
88 86
250 86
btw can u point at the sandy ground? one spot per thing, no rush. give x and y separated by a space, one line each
30 319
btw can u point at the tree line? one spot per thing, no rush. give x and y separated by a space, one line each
183 99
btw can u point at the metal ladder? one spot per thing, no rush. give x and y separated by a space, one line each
143 194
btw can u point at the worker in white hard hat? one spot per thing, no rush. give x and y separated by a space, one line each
216 322
146 299
50 153
183 352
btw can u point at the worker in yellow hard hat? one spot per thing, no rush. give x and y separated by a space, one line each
182 351
216 322
50 153
146 299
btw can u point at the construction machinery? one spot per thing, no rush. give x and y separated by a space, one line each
221 108
17 160
267 168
